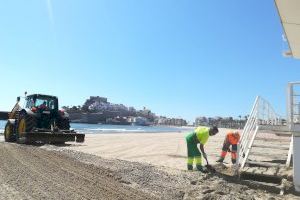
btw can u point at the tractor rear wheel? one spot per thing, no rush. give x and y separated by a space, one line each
26 124
64 124
8 133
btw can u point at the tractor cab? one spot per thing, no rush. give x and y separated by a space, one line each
44 108
41 103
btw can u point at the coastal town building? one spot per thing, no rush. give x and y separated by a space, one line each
98 109
170 121
222 122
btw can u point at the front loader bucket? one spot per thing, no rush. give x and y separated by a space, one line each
49 137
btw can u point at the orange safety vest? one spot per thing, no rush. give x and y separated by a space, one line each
233 138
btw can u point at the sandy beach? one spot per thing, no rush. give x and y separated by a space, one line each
118 166
160 149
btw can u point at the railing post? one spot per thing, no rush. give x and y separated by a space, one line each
294 127
251 114
249 147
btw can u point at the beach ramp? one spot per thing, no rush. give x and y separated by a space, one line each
265 148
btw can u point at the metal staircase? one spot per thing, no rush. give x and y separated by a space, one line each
265 147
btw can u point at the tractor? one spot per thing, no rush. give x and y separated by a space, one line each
39 121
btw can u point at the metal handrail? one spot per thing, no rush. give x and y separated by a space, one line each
262 113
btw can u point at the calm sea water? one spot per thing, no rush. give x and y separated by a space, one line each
104 128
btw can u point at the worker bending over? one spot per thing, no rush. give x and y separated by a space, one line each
199 135
232 139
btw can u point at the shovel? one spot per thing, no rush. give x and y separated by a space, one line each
209 167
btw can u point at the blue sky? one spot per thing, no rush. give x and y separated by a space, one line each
178 58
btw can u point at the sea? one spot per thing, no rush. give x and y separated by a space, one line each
106 128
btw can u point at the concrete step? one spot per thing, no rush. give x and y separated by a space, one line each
282 131
274 128
268 155
277 140
264 164
269 178
282 172
260 176
270 147
271 187
284 134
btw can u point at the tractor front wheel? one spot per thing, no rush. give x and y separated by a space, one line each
8 133
26 124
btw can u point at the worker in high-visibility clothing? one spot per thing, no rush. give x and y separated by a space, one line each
199 135
232 139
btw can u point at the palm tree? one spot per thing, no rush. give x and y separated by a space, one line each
240 121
